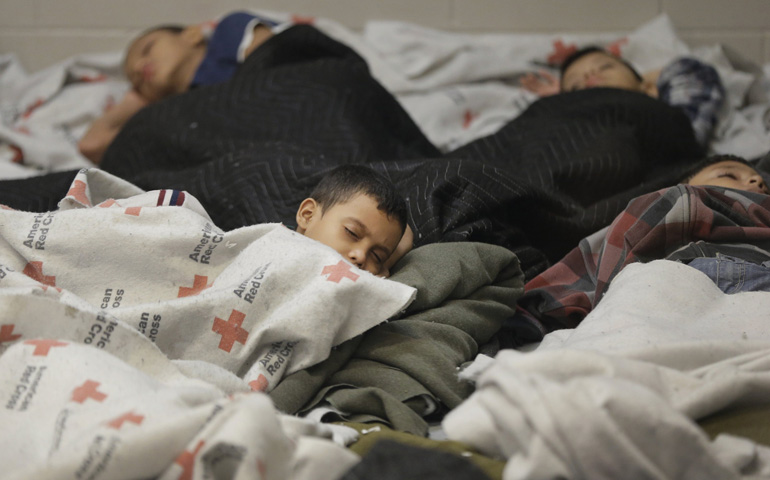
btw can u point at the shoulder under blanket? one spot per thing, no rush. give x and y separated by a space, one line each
399 371
652 227
300 88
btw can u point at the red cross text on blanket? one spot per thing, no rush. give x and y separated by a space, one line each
199 284
231 330
186 460
338 272
88 390
42 347
7 335
34 270
131 417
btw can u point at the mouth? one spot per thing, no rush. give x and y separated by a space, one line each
593 81
147 72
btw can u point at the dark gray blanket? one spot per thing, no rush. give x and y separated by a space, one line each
252 148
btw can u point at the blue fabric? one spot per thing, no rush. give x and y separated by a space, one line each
733 275
221 60
697 89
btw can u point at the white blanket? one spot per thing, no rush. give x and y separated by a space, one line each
42 116
75 411
259 301
615 397
132 331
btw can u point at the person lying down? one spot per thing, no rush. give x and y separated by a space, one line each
717 220
685 83
166 60
258 301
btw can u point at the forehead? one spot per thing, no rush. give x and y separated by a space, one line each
364 209
729 165
592 58
139 42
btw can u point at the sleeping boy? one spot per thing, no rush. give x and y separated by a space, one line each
358 213
722 232
170 59
685 83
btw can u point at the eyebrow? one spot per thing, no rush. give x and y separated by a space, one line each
360 225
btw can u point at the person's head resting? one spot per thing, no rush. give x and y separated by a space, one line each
162 61
595 67
729 171
358 213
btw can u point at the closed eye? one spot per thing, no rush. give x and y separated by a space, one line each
728 175
351 233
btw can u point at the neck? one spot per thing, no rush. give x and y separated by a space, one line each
186 72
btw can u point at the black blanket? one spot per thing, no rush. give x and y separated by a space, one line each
252 148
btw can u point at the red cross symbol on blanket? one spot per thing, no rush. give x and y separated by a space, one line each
560 52
88 390
260 384
230 330
34 270
42 347
117 423
338 272
78 190
199 284
7 335
186 459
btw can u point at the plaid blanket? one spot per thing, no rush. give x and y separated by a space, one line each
652 226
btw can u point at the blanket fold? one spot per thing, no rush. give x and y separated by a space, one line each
406 368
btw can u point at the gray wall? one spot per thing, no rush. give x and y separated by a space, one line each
42 32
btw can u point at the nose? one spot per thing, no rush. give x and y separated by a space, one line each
356 257
758 182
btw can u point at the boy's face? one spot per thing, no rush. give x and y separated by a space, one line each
356 229
157 64
732 175
599 69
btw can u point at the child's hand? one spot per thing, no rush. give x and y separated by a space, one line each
542 83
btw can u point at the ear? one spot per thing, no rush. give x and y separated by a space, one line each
193 35
306 211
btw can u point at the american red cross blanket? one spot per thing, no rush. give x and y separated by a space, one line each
259 301
126 411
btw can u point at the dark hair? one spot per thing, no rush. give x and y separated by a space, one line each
347 181
593 49
710 160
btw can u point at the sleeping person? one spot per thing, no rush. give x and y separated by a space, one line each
170 59
358 213
686 83
716 220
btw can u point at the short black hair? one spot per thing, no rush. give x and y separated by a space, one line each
575 56
347 181
710 160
